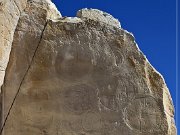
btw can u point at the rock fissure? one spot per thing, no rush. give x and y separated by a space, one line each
9 111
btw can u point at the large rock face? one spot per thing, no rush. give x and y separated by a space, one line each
77 76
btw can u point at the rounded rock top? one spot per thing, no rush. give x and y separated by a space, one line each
97 15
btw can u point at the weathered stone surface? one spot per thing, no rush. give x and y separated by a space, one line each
99 16
10 11
27 36
9 14
80 76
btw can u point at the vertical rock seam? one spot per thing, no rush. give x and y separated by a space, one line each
9 111
76 75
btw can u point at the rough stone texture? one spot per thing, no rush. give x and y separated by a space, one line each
80 76
10 11
100 16
31 23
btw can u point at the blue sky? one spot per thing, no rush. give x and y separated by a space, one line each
153 23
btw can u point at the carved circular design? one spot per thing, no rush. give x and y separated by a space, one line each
107 88
114 92
143 114
79 98
72 64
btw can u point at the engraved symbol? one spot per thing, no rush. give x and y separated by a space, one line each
118 54
115 92
107 87
143 114
127 89
119 57
104 122
79 98
72 64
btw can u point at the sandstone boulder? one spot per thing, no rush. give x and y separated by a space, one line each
81 75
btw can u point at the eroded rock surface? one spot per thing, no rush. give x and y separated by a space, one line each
80 75
10 11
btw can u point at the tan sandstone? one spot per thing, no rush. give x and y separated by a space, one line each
81 75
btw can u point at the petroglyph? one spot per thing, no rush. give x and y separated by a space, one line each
80 75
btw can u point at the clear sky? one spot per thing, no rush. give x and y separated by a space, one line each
153 23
